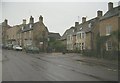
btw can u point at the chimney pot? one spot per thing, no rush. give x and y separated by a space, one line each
31 20
41 18
99 13
76 24
24 21
83 19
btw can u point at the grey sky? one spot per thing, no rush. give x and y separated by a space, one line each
58 16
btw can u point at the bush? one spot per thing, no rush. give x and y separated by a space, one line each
57 46
89 53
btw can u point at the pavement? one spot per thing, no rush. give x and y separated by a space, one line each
21 66
98 61
93 60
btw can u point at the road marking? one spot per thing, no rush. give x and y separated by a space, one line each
109 69
114 70
59 65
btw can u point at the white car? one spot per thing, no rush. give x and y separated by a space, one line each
17 47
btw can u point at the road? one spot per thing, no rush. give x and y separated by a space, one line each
21 66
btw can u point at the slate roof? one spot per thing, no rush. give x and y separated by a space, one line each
113 12
84 26
54 35
27 27
68 32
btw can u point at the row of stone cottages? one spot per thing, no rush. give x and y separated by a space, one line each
33 33
94 34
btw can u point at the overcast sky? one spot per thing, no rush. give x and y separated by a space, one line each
58 16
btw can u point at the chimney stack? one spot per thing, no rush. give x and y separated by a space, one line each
31 20
6 22
76 24
24 21
99 13
83 19
41 18
110 6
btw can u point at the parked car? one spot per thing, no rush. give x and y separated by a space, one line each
9 46
3 47
32 49
17 47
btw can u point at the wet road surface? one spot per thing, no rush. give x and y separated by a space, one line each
21 66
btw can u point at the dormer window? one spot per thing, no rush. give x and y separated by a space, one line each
89 25
81 28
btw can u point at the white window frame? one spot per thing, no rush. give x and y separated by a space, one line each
108 45
22 27
30 26
108 30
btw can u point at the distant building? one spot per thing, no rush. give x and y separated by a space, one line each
87 32
11 35
82 36
67 38
54 36
63 38
86 35
35 34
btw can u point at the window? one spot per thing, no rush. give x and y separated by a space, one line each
82 46
30 34
30 26
83 35
71 37
79 46
80 35
108 30
89 25
73 30
108 45
68 37
22 28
